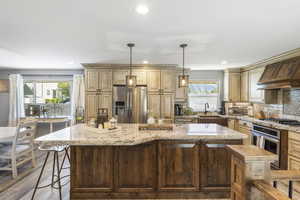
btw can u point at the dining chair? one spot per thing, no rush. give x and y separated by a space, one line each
20 150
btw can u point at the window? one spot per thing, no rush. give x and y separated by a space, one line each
202 92
47 99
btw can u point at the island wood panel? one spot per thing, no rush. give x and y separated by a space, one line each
178 166
136 168
91 169
216 165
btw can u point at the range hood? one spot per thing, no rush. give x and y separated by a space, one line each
283 74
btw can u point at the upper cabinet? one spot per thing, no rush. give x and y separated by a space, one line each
255 95
141 76
232 86
98 80
119 76
167 80
245 86
92 80
105 80
153 80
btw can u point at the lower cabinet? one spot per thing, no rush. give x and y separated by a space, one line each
88 164
155 170
213 120
136 168
178 166
216 167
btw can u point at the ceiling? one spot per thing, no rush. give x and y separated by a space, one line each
220 33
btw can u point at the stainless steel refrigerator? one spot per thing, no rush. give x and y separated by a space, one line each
130 105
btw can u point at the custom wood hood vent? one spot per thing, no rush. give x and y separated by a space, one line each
283 74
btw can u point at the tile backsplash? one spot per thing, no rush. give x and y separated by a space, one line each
291 102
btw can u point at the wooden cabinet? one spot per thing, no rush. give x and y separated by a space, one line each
95 100
245 86
105 101
215 166
119 76
153 80
136 168
167 80
178 166
255 95
154 104
232 90
167 106
245 127
213 120
90 162
91 105
141 76
98 80
233 124
92 80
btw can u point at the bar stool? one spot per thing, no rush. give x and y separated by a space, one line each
55 150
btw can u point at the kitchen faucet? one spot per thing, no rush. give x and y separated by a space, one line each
206 105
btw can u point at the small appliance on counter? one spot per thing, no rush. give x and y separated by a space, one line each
222 110
178 109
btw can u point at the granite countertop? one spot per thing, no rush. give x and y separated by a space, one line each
128 134
264 123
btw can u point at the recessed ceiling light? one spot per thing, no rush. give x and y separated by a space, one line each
70 62
224 62
145 62
142 9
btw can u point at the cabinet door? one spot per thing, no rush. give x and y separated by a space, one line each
215 166
141 77
167 106
153 81
154 104
119 76
178 166
226 86
168 80
105 80
91 105
105 100
91 80
255 95
136 168
234 87
88 162
244 86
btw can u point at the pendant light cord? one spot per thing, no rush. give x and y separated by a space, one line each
183 54
130 61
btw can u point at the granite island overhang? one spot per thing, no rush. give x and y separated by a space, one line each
189 162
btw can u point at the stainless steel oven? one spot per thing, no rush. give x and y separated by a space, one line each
268 139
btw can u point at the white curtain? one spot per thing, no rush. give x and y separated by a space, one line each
16 99
77 95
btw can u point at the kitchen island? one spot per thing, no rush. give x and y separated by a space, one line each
190 161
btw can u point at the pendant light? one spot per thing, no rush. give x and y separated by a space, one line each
183 79
130 79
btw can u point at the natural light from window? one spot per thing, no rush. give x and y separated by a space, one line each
47 99
202 92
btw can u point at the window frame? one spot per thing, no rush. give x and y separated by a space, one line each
201 81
